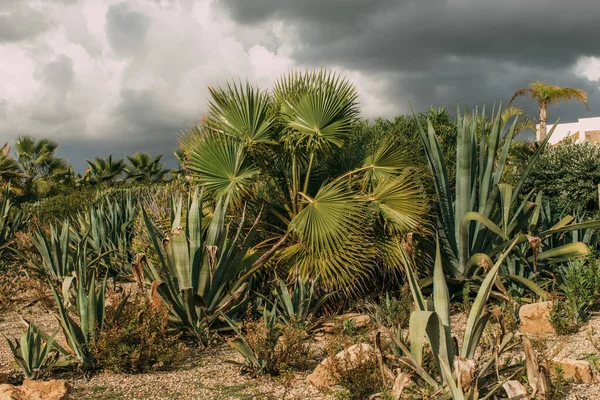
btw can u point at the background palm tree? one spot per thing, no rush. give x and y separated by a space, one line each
104 170
42 170
10 171
280 152
143 168
545 94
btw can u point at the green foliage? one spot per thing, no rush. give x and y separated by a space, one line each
203 268
565 317
81 310
568 174
482 215
12 221
33 353
433 323
135 339
298 304
104 170
580 285
144 169
356 371
270 347
109 227
42 172
390 311
282 150
62 206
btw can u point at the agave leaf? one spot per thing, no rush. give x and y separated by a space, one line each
472 335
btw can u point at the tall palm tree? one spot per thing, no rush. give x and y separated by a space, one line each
104 170
10 171
143 168
279 150
42 170
545 94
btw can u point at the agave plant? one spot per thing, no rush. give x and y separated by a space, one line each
257 359
82 295
34 354
11 221
483 215
281 150
109 227
458 371
203 269
298 304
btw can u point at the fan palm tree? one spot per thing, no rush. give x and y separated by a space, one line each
104 170
545 94
277 150
145 169
10 171
41 169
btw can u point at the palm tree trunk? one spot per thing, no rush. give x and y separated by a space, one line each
543 120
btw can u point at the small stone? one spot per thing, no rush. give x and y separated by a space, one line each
323 375
36 390
578 370
515 390
535 318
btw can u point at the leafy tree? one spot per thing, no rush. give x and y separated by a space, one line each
286 152
104 170
143 168
545 94
41 170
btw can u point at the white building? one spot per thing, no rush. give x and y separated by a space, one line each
585 129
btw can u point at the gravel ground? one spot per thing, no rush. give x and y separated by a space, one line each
207 374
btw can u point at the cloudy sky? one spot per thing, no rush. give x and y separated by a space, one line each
109 76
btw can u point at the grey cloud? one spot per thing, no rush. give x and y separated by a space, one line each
126 30
440 51
57 74
19 22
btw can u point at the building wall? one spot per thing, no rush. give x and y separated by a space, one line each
583 125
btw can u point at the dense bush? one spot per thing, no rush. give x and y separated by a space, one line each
568 174
137 341
61 207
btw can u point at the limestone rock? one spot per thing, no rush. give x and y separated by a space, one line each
36 390
578 370
323 376
534 318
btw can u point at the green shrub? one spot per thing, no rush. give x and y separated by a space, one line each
569 174
137 341
61 207
564 318
390 311
271 347
580 287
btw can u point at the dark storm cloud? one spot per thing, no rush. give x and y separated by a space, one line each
126 30
20 22
438 51
142 113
